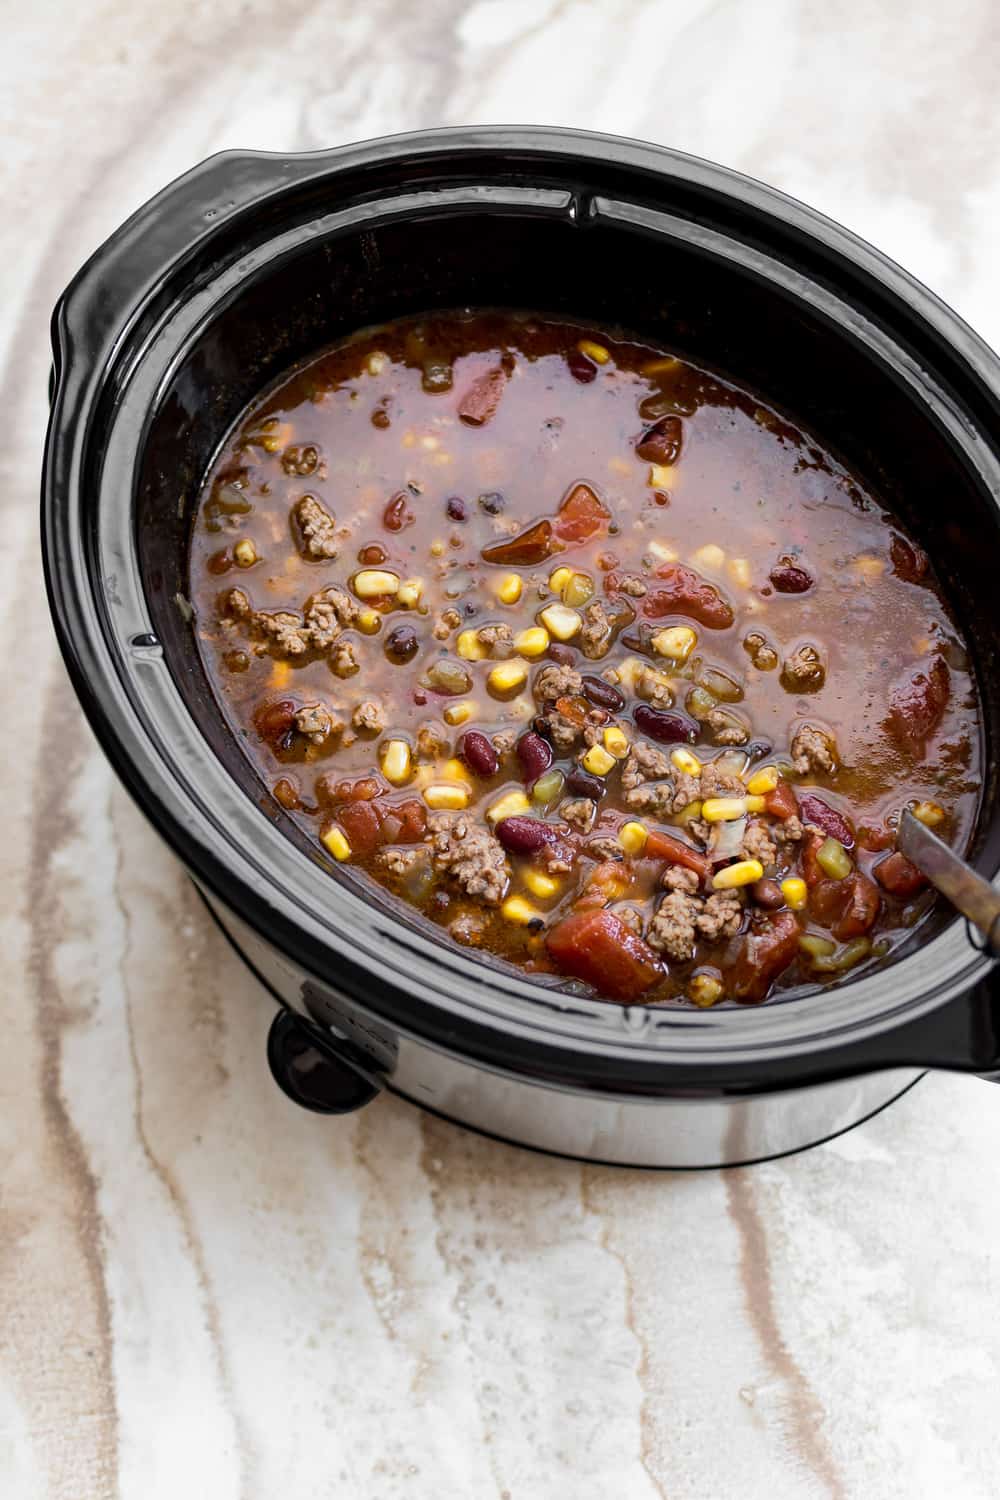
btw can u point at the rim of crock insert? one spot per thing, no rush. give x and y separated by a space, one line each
107 365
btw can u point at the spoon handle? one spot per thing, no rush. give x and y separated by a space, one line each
973 896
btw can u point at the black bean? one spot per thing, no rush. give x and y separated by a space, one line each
401 643
492 503
457 509
564 656
584 785
603 694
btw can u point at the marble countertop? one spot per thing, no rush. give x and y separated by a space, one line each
205 1292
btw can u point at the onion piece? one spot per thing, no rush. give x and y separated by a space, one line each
727 839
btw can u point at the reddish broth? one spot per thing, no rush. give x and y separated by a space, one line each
455 451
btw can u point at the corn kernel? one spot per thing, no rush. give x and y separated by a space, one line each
508 676
738 569
688 814
560 621
376 363
929 813
710 558
743 872
280 674
470 647
370 583
665 365
532 642
870 568
369 622
459 713
723 809
705 989
661 552
755 804
660 475
795 892
437 549
409 593
677 642
245 553
626 671
596 352
597 761
833 859
396 761
689 764
455 770
510 805
517 909
616 742
763 781
540 884
449 797
336 841
559 578
509 589
632 837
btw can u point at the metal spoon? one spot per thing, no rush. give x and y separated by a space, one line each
973 896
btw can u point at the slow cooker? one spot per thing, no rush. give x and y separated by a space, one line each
253 261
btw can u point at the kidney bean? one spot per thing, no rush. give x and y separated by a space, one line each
815 810
482 398
789 577
669 726
603 694
897 875
908 562
580 367
765 952
521 835
583 784
916 707
534 755
685 592
401 643
456 509
597 947
563 655
531 546
478 754
275 723
767 893
661 443
397 513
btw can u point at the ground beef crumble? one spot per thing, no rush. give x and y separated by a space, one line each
813 750
672 929
504 742
327 614
398 859
578 811
497 639
317 723
469 855
679 878
369 717
555 682
758 844
645 763
721 916
344 661
316 527
597 631
432 741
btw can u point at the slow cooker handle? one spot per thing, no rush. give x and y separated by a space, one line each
202 206
316 1070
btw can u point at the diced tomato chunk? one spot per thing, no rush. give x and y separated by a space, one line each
782 802
362 823
916 707
685 592
582 515
664 846
897 875
597 947
861 905
405 823
765 952
533 545
482 398
812 874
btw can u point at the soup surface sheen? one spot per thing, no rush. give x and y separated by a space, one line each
586 653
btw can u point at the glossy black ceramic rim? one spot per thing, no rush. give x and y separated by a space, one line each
118 332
